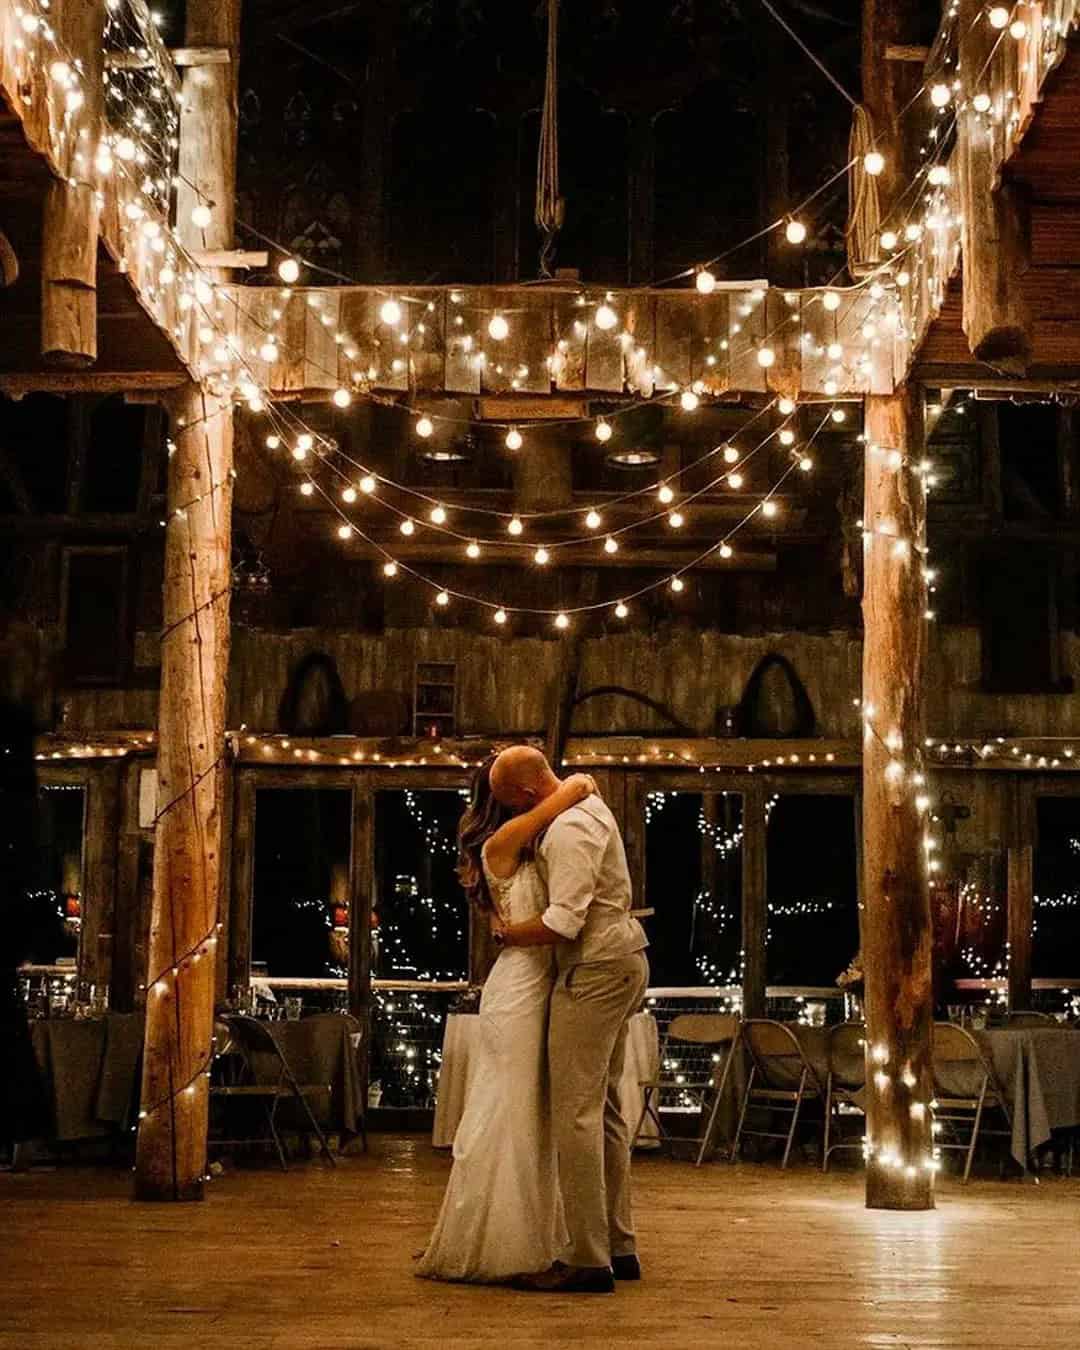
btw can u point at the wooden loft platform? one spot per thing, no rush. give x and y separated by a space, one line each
742 338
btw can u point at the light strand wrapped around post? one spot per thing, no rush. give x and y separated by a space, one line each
896 929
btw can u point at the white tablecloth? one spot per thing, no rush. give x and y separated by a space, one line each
462 1030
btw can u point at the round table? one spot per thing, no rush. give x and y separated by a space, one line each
459 1042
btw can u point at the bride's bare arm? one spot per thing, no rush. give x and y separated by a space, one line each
503 850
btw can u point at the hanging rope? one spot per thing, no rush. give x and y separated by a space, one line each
864 213
549 205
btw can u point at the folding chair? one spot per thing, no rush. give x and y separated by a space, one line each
267 1079
846 1079
965 1087
705 1076
781 1079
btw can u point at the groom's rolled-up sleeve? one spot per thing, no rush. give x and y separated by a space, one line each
572 850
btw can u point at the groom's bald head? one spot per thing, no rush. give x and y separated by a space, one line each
521 777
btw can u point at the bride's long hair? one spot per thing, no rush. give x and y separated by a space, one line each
483 816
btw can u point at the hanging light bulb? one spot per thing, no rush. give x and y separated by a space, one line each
268 351
735 480
766 357
938 175
125 148
348 494
806 463
611 545
676 520
390 569
473 549
603 430
437 515
390 312
606 318
874 163
593 521
407 527
344 531
1018 29
424 427
831 300
769 508
940 95
795 231
676 584
561 621
367 484
787 436
688 400
499 616
834 351
342 398
515 526
705 281
665 494
889 239
201 216
541 557
981 103
838 415
498 328
306 488
443 598
513 439
998 16
725 550
272 442
288 270
621 610
731 454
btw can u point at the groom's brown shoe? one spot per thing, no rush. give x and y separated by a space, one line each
562 1279
626 1267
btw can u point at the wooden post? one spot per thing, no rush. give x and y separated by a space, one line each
897 937
208 117
171 1155
69 227
1020 903
994 234
754 900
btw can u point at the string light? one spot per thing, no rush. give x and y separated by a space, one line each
289 270
390 313
603 430
705 281
424 427
606 318
513 439
874 163
795 232
498 328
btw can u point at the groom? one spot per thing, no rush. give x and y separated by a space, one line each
602 978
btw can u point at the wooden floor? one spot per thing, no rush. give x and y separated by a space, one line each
745 1257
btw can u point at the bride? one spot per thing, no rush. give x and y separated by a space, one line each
502 1212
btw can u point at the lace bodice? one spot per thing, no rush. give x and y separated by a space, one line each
518 897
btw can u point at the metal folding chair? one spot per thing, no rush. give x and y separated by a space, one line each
846 1079
781 1079
267 1079
698 1080
965 1087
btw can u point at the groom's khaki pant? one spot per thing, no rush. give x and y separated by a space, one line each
590 1008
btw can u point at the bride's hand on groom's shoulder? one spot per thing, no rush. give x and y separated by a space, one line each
582 785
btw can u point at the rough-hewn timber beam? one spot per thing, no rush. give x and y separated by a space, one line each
897 940
994 231
69 229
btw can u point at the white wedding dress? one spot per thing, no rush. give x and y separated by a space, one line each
502 1212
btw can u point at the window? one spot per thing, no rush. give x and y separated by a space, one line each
53 913
693 879
114 456
1055 950
1019 620
302 886
420 926
95 615
1030 473
813 917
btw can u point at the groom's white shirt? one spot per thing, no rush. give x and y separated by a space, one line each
583 864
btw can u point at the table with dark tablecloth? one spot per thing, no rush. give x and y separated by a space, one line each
1038 1069
89 1070
321 1050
